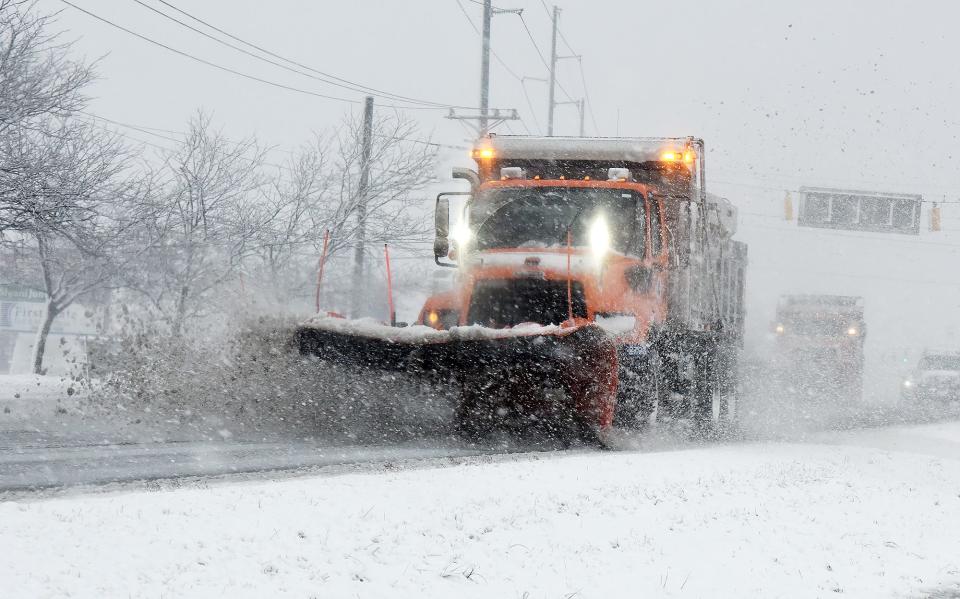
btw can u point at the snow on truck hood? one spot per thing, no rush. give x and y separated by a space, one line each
418 333
545 260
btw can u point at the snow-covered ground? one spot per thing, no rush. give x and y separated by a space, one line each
858 514
33 396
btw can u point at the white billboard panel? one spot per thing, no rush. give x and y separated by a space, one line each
26 317
859 210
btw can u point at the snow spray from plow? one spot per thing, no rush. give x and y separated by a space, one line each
560 380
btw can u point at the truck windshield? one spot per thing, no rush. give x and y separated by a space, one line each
538 217
821 326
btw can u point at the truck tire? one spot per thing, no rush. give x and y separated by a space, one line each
641 386
704 392
728 390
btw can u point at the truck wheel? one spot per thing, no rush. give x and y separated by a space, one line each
639 393
703 393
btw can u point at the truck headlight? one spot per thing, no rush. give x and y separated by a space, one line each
461 234
852 331
599 238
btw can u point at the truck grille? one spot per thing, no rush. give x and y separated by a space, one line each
505 303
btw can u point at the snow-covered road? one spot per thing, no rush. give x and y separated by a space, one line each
96 464
868 513
47 441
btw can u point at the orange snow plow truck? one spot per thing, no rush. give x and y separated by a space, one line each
597 286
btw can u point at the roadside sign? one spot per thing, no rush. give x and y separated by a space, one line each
877 212
19 293
26 317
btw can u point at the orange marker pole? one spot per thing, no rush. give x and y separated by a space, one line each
569 276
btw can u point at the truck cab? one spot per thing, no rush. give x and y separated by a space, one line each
550 251
562 230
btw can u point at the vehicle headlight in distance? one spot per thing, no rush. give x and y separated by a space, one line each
779 329
907 384
853 331
599 237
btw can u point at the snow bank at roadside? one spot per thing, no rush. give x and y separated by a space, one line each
758 520
25 395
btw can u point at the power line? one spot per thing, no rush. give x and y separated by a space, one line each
533 41
424 142
583 77
257 56
845 183
832 233
542 57
142 129
152 131
480 3
524 124
795 190
233 71
324 77
546 9
848 275
563 38
583 83
477 30
533 113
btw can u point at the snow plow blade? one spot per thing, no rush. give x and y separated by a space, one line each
553 377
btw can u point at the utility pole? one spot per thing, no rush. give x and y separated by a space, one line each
486 120
581 118
363 190
553 70
485 66
551 107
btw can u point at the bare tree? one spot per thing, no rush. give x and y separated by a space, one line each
38 80
78 209
400 166
285 238
208 218
318 190
37 76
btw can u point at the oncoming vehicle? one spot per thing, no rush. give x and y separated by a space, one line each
819 343
596 283
936 378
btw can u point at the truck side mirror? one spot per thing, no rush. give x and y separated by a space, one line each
441 245
441 225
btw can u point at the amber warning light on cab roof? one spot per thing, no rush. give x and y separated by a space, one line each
671 156
484 153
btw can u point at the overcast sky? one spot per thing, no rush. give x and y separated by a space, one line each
856 93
